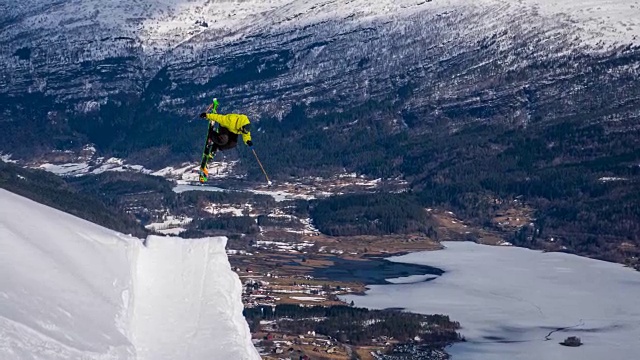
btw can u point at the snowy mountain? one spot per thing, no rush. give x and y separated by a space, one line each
99 71
71 289
498 98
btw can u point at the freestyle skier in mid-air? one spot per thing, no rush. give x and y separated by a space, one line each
226 136
231 125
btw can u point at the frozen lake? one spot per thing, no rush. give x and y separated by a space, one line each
185 187
278 195
512 301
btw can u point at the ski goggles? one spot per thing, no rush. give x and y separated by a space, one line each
245 129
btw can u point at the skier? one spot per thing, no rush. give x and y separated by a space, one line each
231 125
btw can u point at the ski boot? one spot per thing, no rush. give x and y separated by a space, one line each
204 175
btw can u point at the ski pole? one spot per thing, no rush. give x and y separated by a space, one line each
261 167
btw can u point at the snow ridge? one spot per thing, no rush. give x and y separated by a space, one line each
71 289
190 283
160 25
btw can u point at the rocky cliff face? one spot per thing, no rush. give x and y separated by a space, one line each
78 72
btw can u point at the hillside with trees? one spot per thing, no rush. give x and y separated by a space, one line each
370 214
358 326
53 191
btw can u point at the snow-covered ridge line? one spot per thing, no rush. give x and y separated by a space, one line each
137 38
599 21
74 290
161 25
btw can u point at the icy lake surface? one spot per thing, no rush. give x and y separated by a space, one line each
512 301
278 195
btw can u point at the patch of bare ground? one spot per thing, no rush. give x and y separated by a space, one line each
451 228
356 246
364 352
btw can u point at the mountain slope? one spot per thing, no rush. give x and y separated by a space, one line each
474 104
64 286
109 72
49 189
187 302
72 289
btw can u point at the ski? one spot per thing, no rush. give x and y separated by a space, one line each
207 153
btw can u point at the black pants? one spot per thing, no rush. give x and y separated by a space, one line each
223 139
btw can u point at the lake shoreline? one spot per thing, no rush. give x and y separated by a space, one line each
374 270
510 299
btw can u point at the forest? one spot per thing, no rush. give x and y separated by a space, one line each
370 214
503 132
53 191
357 326
580 179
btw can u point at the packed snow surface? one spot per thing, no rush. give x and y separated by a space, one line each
71 289
188 303
515 303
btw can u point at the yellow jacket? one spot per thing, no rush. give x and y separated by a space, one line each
233 122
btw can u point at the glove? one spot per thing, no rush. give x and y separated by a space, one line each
203 115
250 143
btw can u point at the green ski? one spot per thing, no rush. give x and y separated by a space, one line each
207 153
